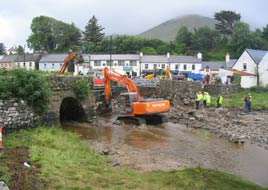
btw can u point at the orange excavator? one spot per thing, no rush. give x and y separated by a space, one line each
133 106
68 59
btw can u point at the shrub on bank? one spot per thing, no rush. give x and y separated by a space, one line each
29 86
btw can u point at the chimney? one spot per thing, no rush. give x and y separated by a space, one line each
199 55
168 55
227 57
141 54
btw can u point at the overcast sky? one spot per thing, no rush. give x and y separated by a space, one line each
117 16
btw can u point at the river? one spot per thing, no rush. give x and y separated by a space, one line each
199 147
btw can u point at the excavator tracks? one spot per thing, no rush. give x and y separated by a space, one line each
144 120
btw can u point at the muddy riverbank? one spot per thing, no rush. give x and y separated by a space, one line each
233 124
172 146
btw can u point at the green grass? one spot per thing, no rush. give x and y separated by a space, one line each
68 163
259 99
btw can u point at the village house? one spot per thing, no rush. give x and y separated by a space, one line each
8 61
249 64
122 63
28 61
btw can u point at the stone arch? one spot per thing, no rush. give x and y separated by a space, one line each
71 109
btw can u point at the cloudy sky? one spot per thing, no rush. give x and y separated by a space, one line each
117 16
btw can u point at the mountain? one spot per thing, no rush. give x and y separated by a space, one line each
167 31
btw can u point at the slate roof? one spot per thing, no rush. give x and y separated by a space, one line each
28 57
114 57
184 59
53 58
8 58
231 63
154 59
214 66
256 55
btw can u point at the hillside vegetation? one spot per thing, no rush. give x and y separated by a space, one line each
167 31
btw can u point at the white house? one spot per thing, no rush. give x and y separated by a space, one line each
182 64
122 63
28 61
263 71
249 63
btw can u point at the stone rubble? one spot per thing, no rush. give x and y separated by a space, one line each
234 125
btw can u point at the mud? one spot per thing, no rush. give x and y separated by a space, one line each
23 177
233 124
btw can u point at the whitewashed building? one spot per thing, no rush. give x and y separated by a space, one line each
52 62
263 71
28 61
122 63
249 62
178 64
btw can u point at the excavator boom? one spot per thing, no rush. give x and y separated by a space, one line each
69 58
131 103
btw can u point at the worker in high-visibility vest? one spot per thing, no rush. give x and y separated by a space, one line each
198 99
206 100
219 101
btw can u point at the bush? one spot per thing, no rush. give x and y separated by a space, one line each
26 85
81 89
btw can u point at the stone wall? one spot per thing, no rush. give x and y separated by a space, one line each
222 89
178 92
16 114
63 87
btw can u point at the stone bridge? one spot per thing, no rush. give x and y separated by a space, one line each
64 104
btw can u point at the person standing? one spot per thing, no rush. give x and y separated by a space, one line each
247 100
207 100
198 98
219 101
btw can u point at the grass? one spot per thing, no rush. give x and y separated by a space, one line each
259 99
68 163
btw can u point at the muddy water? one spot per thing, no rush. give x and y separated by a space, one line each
198 146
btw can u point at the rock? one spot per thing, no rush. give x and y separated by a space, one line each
3 186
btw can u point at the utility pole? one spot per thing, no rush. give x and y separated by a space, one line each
111 37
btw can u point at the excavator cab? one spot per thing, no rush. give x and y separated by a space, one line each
126 101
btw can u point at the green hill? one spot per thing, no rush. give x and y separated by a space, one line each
167 31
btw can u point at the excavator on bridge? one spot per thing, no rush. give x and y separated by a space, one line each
68 59
133 107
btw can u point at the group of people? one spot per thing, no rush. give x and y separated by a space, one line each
205 98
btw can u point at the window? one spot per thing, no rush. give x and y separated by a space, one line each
121 63
133 63
108 62
163 66
30 64
244 66
176 67
115 64
193 67
185 67
53 65
60 65
18 64
24 64
97 63
103 64
146 66
45 66
155 65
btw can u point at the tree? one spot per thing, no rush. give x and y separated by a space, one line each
149 51
2 49
52 35
205 40
93 33
183 39
240 39
227 20
20 50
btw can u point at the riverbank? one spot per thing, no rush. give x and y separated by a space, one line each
65 162
233 124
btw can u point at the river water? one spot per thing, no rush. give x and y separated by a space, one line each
200 147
